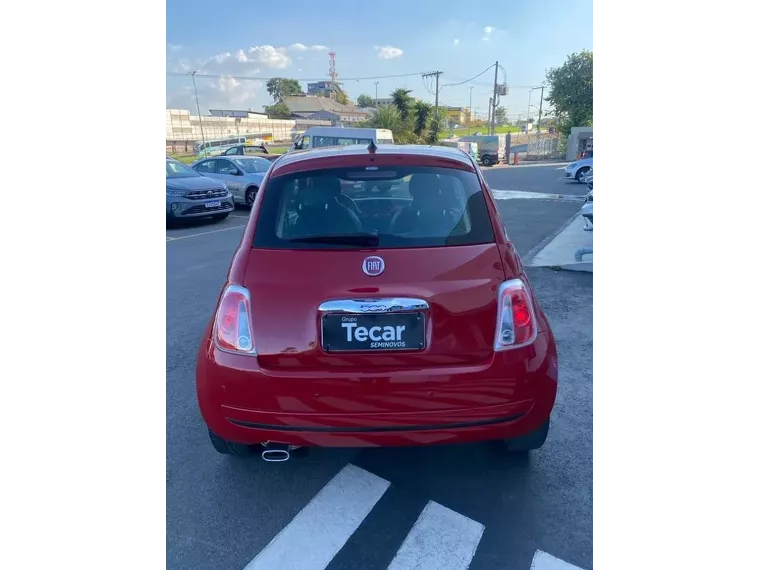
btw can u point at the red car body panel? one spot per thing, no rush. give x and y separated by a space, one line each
457 389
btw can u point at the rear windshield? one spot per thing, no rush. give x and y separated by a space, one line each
374 207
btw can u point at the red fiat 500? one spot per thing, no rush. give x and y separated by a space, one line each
375 300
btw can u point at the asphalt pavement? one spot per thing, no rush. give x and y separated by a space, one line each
399 508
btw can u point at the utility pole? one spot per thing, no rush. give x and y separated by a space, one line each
437 75
490 110
195 89
540 111
469 124
494 102
529 106
376 96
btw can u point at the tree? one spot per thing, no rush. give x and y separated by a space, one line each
422 112
342 97
437 122
278 111
281 87
412 121
365 101
386 118
500 115
403 101
571 91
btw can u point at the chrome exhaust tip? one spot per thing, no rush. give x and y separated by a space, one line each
275 455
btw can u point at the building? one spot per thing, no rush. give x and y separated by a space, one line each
322 108
459 115
323 88
384 102
580 139
340 117
237 114
181 126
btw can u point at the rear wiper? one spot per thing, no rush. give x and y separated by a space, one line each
360 239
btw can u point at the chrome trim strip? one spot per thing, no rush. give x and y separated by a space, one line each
374 306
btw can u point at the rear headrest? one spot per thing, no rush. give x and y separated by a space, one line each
424 186
321 190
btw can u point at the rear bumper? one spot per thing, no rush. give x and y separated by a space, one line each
510 395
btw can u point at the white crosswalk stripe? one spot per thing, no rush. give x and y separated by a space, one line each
325 524
440 539
544 561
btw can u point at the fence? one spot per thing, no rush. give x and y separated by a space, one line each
543 147
181 126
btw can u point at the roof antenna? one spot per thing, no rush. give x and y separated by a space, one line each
372 148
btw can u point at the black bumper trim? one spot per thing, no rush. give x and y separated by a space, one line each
376 429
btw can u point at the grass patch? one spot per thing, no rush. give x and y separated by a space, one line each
499 130
185 158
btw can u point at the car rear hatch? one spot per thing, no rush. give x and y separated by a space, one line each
394 316
320 310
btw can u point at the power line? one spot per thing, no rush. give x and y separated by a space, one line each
256 78
436 75
468 80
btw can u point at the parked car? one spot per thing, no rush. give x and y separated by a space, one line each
397 318
245 150
192 195
587 207
242 174
578 169
587 211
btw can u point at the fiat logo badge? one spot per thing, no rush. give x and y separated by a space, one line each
373 266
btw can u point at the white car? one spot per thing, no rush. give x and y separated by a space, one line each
579 169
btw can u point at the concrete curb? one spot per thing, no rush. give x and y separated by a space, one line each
559 252
584 266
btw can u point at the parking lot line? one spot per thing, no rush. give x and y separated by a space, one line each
441 539
312 539
544 561
520 195
236 216
168 239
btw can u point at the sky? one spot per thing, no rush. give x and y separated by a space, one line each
242 39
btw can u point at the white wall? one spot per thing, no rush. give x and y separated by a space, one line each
180 125
577 134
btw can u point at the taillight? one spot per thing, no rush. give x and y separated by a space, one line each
233 330
516 324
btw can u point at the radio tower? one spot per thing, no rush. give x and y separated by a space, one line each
332 70
332 74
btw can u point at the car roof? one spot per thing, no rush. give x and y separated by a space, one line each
432 151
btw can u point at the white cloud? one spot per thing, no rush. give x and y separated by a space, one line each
388 52
173 47
230 90
225 92
303 47
456 41
488 32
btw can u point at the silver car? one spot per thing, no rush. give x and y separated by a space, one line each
192 195
242 174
